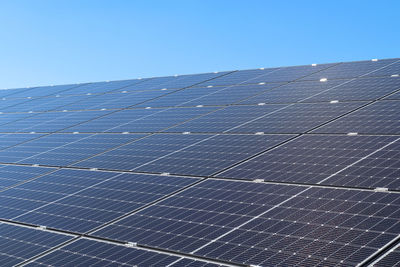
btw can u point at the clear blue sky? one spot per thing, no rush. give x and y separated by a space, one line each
56 42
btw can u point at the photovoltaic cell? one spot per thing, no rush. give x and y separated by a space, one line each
9 140
292 92
360 89
224 119
313 159
381 117
212 155
45 103
18 244
261 224
296 118
144 151
231 94
95 253
64 149
289 166
12 175
38 91
351 70
113 100
390 259
48 122
81 200
99 87
141 120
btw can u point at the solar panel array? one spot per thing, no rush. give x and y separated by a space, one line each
289 166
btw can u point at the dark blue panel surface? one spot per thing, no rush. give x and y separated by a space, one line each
313 159
142 120
226 119
50 121
381 117
359 89
64 149
84 252
213 154
253 223
18 244
144 151
351 70
296 118
79 200
293 92
11 175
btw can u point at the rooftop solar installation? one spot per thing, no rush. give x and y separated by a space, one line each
285 166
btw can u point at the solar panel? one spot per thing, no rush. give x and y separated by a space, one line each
377 118
64 149
21 243
287 166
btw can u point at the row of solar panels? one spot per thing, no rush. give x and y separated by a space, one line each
364 117
202 192
309 159
285 74
362 89
240 222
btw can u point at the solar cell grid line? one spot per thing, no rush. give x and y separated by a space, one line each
10 139
20 243
226 118
393 69
14 175
291 92
379 117
394 96
351 69
146 150
231 94
211 228
100 87
366 88
297 118
64 149
113 100
311 159
212 223
80 201
173 82
390 258
379 169
6 92
47 122
5 104
211 155
92 252
42 91
287 74
43 104
9 118
155 120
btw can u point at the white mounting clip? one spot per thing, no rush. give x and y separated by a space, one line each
261 83
374 59
258 180
164 174
394 75
186 133
93 169
131 244
334 101
209 86
259 133
314 64
381 189
352 134
42 227
323 79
